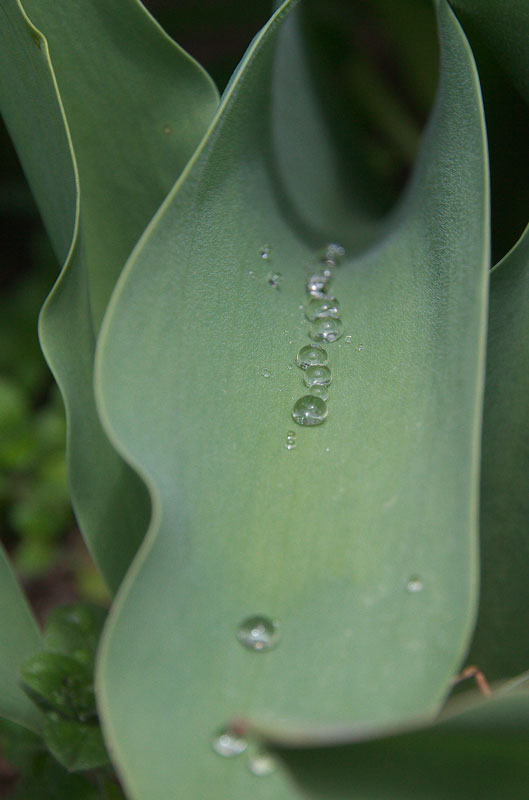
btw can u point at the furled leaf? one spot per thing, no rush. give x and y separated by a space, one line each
478 751
135 107
19 638
361 540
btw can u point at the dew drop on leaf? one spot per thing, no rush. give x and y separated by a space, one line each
258 633
322 307
319 391
414 584
262 764
228 744
326 330
291 440
312 355
309 410
317 376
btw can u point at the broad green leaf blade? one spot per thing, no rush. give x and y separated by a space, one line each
135 108
19 638
326 537
480 751
501 645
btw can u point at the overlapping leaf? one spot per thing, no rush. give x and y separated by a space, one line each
325 537
135 108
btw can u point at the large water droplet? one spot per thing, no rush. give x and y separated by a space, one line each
262 764
228 744
312 355
320 391
291 440
274 279
258 633
415 584
326 329
322 307
310 410
317 376
265 252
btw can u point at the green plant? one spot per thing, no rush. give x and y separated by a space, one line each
172 339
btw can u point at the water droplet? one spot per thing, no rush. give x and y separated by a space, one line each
360 346
333 253
265 252
309 410
258 633
291 440
326 329
348 339
167 130
320 376
317 284
251 273
274 279
290 366
262 764
228 744
414 584
322 307
319 391
266 373
327 449
312 355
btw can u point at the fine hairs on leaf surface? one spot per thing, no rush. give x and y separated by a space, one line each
323 538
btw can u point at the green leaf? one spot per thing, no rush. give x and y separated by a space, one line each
135 107
75 745
19 638
478 751
324 537
501 644
59 684
74 630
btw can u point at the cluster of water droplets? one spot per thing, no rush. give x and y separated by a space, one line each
322 310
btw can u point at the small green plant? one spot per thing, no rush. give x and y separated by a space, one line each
297 583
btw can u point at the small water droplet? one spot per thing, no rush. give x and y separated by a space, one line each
258 633
322 307
348 339
167 130
290 366
333 253
327 449
262 764
414 584
265 252
266 373
309 410
320 376
360 346
326 329
320 391
312 355
228 744
251 273
317 284
291 440
274 279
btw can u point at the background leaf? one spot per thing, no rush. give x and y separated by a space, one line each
136 107
19 638
325 537
479 751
